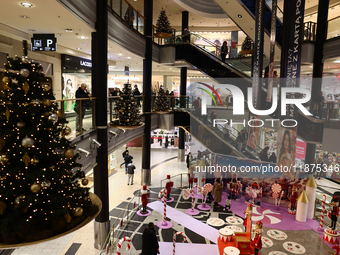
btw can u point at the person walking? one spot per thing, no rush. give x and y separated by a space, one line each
149 241
186 34
123 154
241 140
217 190
264 154
188 159
81 93
136 94
224 51
128 160
131 171
318 105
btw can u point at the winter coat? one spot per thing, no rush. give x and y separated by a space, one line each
217 192
149 242
128 159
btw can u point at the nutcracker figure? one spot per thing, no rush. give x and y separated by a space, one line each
169 184
247 216
334 211
145 196
233 188
293 198
257 242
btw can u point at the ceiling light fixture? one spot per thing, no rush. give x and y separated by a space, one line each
83 44
129 57
78 48
240 16
69 30
31 30
26 5
24 16
83 37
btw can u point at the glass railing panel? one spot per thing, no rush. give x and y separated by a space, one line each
125 13
116 4
141 23
333 28
134 19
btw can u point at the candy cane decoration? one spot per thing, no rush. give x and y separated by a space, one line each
192 196
164 217
119 245
174 241
323 211
160 194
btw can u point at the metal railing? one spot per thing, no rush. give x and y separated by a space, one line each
318 208
117 229
175 180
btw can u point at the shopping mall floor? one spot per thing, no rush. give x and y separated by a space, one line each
164 161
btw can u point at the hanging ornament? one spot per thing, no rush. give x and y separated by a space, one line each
25 59
19 199
27 142
45 184
69 153
46 102
6 87
78 211
6 79
35 102
68 218
84 181
26 87
46 87
3 158
35 187
2 143
26 159
34 161
24 72
7 114
21 124
66 131
3 207
53 117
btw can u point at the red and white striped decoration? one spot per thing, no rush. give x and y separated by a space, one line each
192 199
174 241
322 211
164 216
121 241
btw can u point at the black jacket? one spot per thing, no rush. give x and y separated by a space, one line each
131 169
128 159
150 243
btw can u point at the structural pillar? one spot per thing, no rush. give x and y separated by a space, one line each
321 36
147 79
183 93
185 20
234 41
99 87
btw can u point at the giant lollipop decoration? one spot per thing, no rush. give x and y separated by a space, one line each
205 190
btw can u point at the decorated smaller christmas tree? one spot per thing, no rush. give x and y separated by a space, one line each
163 24
247 46
162 101
127 113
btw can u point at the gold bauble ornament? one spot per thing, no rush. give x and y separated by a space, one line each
6 79
78 211
24 72
84 181
66 131
69 153
21 124
35 188
27 142
34 161
47 102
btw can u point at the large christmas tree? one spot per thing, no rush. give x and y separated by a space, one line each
163 24
40 193
127 113
162 101
247 44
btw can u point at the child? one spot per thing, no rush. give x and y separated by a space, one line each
227 204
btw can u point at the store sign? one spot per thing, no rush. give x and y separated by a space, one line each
43 42
85 63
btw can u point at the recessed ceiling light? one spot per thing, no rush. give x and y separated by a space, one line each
240 16
78 48
69 30
129 57
83 37
26 5
83 44
24 16
31 30
120 54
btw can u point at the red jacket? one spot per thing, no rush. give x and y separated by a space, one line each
293 198
335 211
257 242
145 199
